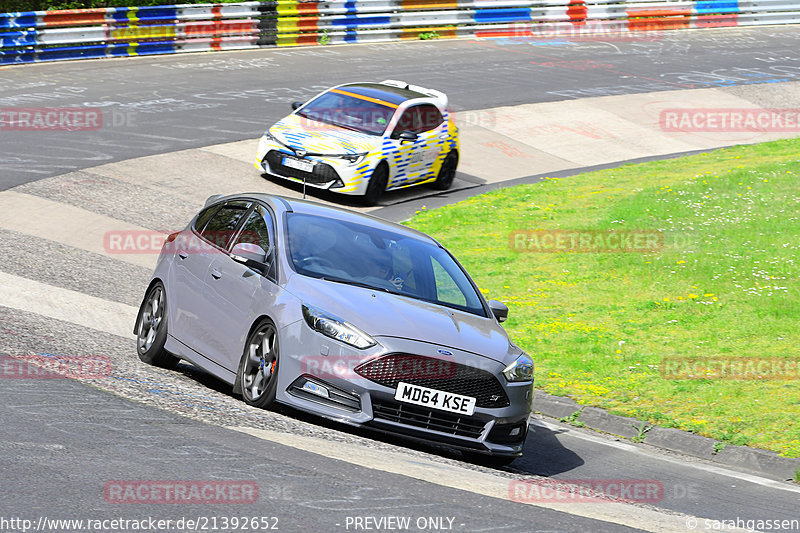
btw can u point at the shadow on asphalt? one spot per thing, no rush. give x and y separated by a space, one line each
388 199
543 455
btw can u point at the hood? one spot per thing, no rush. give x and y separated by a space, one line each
381 314
317 137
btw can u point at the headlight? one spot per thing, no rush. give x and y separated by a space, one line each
336 328
270 137
353 159
519 370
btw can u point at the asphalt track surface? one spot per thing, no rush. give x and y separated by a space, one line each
162 104
63 440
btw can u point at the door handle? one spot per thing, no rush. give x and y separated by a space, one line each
183 255
216 274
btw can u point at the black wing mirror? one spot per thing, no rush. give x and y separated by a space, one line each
499 310
408 136
296 105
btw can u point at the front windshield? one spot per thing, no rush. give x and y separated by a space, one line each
350 112
365 256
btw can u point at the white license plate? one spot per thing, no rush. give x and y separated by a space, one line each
436 399
299 164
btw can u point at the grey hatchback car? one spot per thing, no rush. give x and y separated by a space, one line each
342 315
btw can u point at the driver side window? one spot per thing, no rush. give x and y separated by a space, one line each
256 230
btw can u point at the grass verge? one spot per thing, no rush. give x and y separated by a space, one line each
601 326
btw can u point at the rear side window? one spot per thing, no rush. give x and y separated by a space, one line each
419 119
204 216
220 228
430 117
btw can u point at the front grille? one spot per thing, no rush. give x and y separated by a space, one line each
421 417
438 374
322 173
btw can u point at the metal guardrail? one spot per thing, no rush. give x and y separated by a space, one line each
124 31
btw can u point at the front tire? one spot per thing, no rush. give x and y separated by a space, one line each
151 329
257 377
377 185
447 173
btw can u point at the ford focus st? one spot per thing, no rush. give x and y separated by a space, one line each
342 315
363 139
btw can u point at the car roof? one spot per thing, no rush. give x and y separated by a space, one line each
308 207
380 91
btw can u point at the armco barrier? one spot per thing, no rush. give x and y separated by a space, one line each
124 31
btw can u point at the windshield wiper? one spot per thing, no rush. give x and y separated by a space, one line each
346 127
357 284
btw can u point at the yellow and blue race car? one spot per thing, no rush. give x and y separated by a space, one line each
363 139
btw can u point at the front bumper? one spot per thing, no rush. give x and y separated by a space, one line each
359 401
329 173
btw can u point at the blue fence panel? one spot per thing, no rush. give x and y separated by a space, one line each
502 15
717 6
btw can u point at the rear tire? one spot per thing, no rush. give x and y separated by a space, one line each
151 329
377 185
447 173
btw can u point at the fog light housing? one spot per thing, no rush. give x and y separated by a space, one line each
315 388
